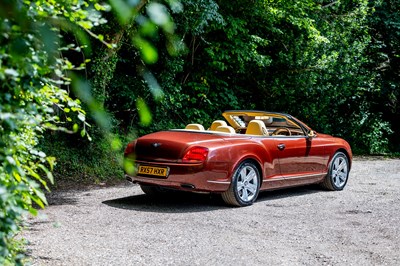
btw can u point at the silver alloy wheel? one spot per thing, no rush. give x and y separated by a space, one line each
339 171
247 184
338 174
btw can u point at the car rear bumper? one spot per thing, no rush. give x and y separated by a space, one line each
212 177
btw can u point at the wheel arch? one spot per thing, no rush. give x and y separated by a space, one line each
343 150
251 159
240 152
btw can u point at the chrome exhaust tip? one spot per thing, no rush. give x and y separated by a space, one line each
188 186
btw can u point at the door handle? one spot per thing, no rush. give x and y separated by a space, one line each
281 146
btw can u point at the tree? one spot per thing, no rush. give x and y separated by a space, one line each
35 98
383 62
308 58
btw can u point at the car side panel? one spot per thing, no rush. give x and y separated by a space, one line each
300 166
239 151
301 156
262 150
332 145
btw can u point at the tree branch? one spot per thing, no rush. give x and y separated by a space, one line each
330 4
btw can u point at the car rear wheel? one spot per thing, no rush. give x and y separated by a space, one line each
244 187
338 174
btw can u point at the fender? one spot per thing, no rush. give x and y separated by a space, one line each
252 149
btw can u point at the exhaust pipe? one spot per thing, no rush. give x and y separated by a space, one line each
130 179
188 186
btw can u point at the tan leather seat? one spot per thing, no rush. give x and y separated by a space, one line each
217 123
257 127
226 129
194 127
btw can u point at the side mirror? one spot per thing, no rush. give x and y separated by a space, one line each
311 134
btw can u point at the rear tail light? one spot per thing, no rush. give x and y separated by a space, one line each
195 154
130 148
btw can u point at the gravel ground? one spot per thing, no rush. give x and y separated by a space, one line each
300 226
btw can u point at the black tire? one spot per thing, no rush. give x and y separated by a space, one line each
338 173
244 187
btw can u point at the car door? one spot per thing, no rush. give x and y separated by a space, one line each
301 158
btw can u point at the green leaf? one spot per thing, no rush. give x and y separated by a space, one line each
123 11
144 112
129 166
86 24
99 7
48 173
33 211
116 144
158 13
41 198
154 87
75 128
11 72
81 117
147 50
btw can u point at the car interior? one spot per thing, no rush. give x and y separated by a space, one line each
253 124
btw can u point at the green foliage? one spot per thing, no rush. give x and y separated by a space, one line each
384 60
373 139
136 89
318 60
164 64
33 99
319 70
97 163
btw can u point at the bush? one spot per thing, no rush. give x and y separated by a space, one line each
81 162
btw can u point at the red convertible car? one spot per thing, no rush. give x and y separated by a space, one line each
250 152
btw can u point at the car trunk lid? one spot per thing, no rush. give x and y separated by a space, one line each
171 145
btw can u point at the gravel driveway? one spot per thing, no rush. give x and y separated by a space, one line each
300 226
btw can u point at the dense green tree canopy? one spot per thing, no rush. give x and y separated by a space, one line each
327 62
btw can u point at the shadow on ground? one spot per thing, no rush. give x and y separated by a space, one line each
58 199
180 202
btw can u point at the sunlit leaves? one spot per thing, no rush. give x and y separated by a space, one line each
159 15
83 90
11 72
129 165
141 23
147 51
144 112
154 87
124 10
34 99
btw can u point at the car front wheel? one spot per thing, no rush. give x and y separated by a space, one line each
338 174
244 187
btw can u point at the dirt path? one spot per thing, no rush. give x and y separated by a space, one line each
301 226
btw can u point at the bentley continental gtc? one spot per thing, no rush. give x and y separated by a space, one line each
238 156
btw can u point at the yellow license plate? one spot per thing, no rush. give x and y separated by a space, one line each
151 170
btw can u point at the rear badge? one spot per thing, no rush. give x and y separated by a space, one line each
156 145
